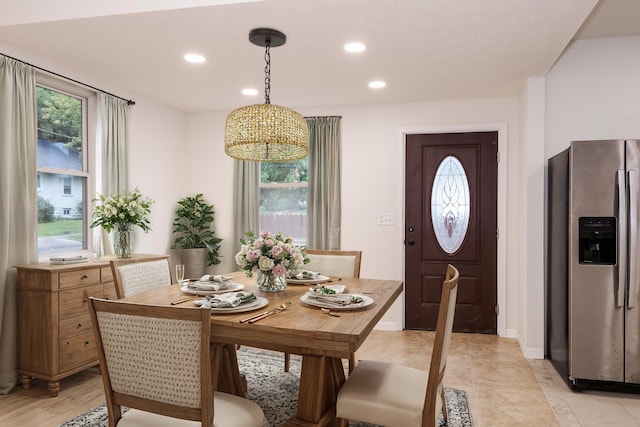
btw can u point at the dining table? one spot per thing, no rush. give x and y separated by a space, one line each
322 340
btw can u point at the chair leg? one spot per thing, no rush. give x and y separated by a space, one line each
287 362
444 405
352 363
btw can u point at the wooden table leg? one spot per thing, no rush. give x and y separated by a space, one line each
320 380
226 371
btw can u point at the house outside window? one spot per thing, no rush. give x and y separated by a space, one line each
63 165
283 198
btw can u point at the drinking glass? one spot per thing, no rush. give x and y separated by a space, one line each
180 273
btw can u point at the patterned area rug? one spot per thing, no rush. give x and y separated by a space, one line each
276 392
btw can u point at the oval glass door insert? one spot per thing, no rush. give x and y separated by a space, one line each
450 204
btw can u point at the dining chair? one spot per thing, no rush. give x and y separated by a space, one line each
132 276
332 263
398 396
158 362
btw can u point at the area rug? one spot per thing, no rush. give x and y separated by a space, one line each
276 392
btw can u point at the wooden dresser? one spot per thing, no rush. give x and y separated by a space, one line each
55 338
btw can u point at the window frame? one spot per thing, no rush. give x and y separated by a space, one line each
89 158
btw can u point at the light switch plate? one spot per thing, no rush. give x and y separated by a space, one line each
385 219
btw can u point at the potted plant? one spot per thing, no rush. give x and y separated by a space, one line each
193 227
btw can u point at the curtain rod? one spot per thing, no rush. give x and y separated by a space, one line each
129 101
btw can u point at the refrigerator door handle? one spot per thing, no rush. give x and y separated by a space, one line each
633 237
622 238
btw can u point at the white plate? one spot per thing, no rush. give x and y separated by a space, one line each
366 301
253 305
231 288
315 280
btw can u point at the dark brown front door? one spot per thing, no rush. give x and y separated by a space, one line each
451 218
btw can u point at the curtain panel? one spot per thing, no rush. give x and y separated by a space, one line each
18 200
112 176
324 200
246 199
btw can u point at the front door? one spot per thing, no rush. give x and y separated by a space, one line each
451 189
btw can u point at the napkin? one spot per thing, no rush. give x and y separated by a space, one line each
306 274
215 278
229 299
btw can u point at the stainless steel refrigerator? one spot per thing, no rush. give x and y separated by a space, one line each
593 265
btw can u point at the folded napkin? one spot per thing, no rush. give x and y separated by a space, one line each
228 300
306 274
336 299
215 278
211 286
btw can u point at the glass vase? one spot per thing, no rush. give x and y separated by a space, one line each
269 282
123 241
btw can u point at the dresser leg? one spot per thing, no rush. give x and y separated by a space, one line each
26 382
54 388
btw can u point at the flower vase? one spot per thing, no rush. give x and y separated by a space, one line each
269 282
123 241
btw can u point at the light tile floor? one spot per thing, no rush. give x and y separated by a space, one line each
504 388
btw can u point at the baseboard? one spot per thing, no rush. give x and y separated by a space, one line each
530 352
511 333
387 326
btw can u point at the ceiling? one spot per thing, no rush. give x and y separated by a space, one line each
423 49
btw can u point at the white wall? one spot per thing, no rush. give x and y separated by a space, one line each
371 178
593 92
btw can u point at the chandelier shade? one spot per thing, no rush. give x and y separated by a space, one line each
266 132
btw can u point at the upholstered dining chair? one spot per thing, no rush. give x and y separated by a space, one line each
132 276
332 263
158 362
398 396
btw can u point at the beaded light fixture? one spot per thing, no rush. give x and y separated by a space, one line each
266 132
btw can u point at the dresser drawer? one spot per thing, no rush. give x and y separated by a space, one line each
75 326
74 302
77 351
88 276
110 291
106 275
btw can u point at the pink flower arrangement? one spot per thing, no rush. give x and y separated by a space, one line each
270 253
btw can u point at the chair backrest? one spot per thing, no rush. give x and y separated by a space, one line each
134 276
444 326
154 359
334 263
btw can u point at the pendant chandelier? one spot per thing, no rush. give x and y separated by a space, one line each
266 132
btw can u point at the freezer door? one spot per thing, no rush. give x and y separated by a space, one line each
596 310
632 324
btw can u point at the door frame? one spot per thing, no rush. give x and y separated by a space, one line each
501 128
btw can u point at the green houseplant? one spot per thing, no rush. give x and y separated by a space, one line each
193 227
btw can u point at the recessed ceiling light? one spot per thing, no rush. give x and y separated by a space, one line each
250 92
377 84
195 58
355 47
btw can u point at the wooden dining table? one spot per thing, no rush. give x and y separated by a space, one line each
321 339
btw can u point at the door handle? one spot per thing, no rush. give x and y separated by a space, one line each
411 242
622 240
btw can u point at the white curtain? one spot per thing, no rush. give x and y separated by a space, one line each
18 204
246 199
112 170
324 201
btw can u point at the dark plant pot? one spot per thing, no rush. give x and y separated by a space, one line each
194 260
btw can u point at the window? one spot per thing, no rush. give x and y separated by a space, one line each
283 198
62 166
66 185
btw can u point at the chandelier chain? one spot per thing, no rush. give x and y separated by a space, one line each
267 73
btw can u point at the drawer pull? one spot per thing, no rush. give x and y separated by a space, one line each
84 276
86 343
84 299
79 325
